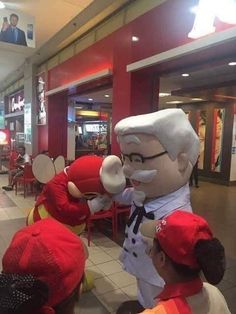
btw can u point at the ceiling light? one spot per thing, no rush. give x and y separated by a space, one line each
2 5
185 74
106 95
232 63
90 99
175 102
164 94
135 38
197 99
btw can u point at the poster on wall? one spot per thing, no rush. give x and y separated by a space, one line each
27 123
17 28
217 139
201 131
41 100
16 102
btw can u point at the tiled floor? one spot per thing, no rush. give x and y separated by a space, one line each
112 285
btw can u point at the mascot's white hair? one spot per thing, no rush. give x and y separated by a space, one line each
170 126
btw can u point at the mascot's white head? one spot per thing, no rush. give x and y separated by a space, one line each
159 150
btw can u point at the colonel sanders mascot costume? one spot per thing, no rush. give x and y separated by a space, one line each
159 151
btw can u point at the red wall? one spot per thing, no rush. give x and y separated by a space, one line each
160 29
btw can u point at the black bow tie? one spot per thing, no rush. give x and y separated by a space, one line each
140 212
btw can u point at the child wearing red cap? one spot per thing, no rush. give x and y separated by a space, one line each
42 270
183 246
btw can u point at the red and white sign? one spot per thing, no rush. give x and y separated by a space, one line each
206 13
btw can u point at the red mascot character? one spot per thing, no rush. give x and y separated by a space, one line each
77 191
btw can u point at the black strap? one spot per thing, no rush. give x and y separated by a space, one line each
139 212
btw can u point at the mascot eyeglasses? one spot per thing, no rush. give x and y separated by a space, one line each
138 158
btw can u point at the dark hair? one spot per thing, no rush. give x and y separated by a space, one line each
210 255
14 15
25 294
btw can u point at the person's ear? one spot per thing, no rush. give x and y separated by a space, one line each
162 259
182 162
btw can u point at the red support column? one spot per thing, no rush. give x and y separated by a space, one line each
133 94
57 125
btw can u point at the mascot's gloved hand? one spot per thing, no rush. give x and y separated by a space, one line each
101 202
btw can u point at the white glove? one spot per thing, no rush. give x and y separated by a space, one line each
101 202
139 197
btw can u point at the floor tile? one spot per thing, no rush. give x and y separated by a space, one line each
122 279
225 285
231 299
130 291
110 267
94 250
89 263
101 241
230 275
114 299
100 258
103 285
88 303
108 244
13 212
95 272
3 215
114 252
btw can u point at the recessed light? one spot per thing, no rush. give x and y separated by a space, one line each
106 95
197 99
175 102
232 63
135 38
2 5
90 99
185 74
164 94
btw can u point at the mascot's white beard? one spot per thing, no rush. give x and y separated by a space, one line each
143 176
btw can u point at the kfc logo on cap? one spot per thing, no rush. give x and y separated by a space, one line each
159 227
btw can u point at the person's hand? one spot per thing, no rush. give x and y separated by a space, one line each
101 202
5 26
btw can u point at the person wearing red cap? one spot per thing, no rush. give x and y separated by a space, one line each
182 247
42 270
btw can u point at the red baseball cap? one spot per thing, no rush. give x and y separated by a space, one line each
51 253
177 234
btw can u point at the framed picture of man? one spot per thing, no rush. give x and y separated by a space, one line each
17 28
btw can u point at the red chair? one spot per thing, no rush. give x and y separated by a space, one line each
120 210
107 214
27 179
